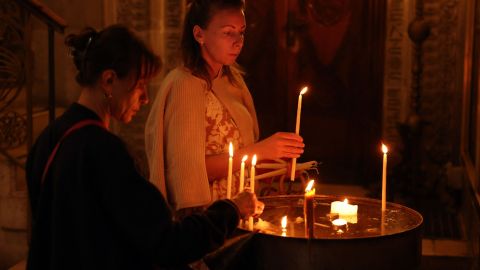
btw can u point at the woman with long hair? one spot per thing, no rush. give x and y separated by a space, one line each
202 106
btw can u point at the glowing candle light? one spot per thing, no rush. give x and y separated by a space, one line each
308 209
384 177
252 173
242 173
345 210
252 187
299 109
339 225
284 226
230 166
297 128
339 222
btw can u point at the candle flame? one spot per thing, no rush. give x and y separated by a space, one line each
304 90
309 186
339 222
254 160
244 158
230 149
284 222
384 148
345 201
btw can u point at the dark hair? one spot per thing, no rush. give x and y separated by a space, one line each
201 12
116 48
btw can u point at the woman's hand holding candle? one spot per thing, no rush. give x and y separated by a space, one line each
279 145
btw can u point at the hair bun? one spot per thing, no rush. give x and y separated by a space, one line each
79 43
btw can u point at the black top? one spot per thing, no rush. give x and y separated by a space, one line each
94 210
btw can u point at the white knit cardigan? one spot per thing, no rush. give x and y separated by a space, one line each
175 134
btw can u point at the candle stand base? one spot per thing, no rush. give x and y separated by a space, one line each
367 244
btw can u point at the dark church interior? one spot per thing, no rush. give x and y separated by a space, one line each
405 73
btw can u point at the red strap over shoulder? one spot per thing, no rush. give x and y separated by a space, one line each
75 127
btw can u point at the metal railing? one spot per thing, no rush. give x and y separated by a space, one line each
16 129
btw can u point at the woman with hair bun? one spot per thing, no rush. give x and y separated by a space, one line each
91 209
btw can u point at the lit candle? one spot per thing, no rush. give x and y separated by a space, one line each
252 187
345 210
339 225
284 226
308 209
252 173
297 128
384 177
242 173
299 109
339 222
230 166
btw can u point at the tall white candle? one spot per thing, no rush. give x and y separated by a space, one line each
230 166
384 177
297 128
242 173
252 173
382 224
252 187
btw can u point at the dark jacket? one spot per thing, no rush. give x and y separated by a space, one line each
94 210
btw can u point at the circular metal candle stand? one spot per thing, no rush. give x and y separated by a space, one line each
369 243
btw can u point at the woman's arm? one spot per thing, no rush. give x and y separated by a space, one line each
279 145
140 216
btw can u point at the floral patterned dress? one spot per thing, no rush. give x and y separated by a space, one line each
220 131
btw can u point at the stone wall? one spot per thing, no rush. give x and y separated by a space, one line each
158 22
422 110
441 91
13 193
77 14
397 72
442 78
13 216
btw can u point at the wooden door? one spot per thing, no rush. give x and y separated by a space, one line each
336 48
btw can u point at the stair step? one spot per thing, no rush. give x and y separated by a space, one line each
445 247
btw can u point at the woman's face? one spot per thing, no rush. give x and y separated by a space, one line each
127 98
223 38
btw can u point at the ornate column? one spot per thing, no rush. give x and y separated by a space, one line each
430 133
408 173
418 31
397 75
